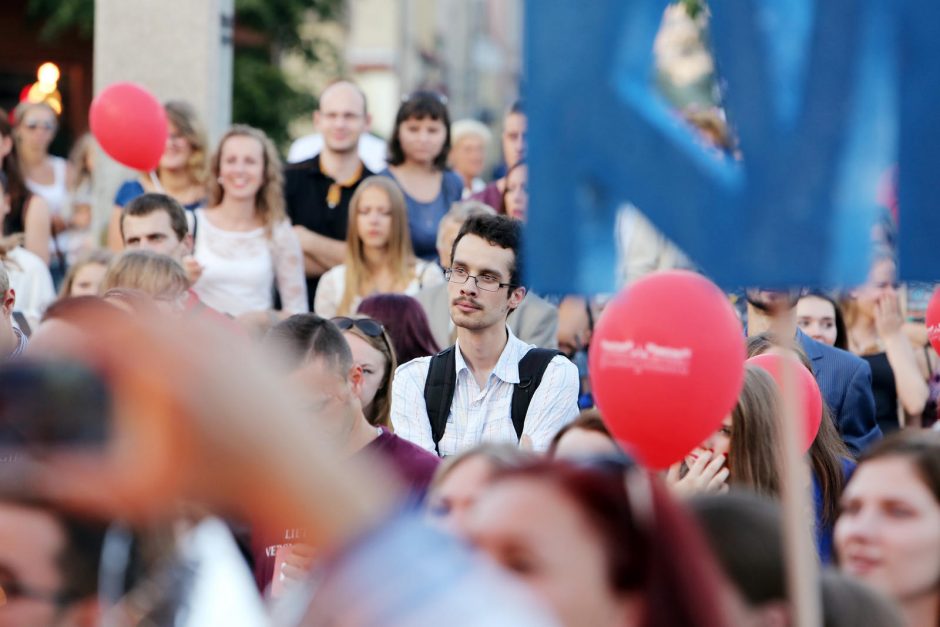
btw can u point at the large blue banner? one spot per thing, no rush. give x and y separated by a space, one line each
825 97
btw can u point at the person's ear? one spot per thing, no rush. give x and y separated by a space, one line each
188 243
355 379
9 301
516 297
368 123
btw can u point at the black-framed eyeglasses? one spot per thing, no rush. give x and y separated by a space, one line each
372 328
486 282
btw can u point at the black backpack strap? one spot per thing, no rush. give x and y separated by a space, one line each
531 368
439 392
22 323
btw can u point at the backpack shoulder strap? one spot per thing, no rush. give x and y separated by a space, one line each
439 392
22 323
531 368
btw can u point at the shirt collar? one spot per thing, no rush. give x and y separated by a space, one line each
21 342
507 366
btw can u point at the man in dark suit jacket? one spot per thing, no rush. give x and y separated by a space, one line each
844 379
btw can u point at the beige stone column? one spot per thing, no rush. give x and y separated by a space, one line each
178 49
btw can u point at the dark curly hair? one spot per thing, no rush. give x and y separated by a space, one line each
500 231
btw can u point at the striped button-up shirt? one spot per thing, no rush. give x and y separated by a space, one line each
21 343
484 415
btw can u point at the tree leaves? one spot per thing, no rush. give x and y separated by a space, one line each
262 95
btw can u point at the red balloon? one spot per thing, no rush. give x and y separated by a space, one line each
667 365
130 124
933 320
809 399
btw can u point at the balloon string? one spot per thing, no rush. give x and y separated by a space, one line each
156 181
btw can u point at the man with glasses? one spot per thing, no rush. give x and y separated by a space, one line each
484 289
318 190
535 321
49 564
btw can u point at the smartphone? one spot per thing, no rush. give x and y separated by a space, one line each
52 404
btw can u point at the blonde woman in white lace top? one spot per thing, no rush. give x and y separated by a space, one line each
379 255
243 240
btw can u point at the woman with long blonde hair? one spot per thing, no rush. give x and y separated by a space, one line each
243 239
379 255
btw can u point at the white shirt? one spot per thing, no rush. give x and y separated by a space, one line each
223 591
333 283
30 279
69 242
478 416
56 194
240 268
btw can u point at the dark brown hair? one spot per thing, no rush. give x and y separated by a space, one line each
755 449
587 420
16 185
145 204
418 106
921 447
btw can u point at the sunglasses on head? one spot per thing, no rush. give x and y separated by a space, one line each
372 328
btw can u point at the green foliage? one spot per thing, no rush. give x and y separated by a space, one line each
279 21
59 16
694 7
261 96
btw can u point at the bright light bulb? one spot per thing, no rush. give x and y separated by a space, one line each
48 75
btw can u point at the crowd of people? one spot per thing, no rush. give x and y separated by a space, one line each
320 393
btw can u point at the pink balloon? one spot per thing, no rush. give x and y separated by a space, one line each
130 124
933 320
667 365
804 384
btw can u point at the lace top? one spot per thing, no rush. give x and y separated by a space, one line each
241 268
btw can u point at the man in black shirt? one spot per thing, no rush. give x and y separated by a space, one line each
318 190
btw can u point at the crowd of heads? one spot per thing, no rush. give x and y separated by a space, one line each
288 401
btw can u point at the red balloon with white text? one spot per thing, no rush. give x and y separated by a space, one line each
667 365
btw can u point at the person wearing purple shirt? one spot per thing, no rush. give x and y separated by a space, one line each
319 362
